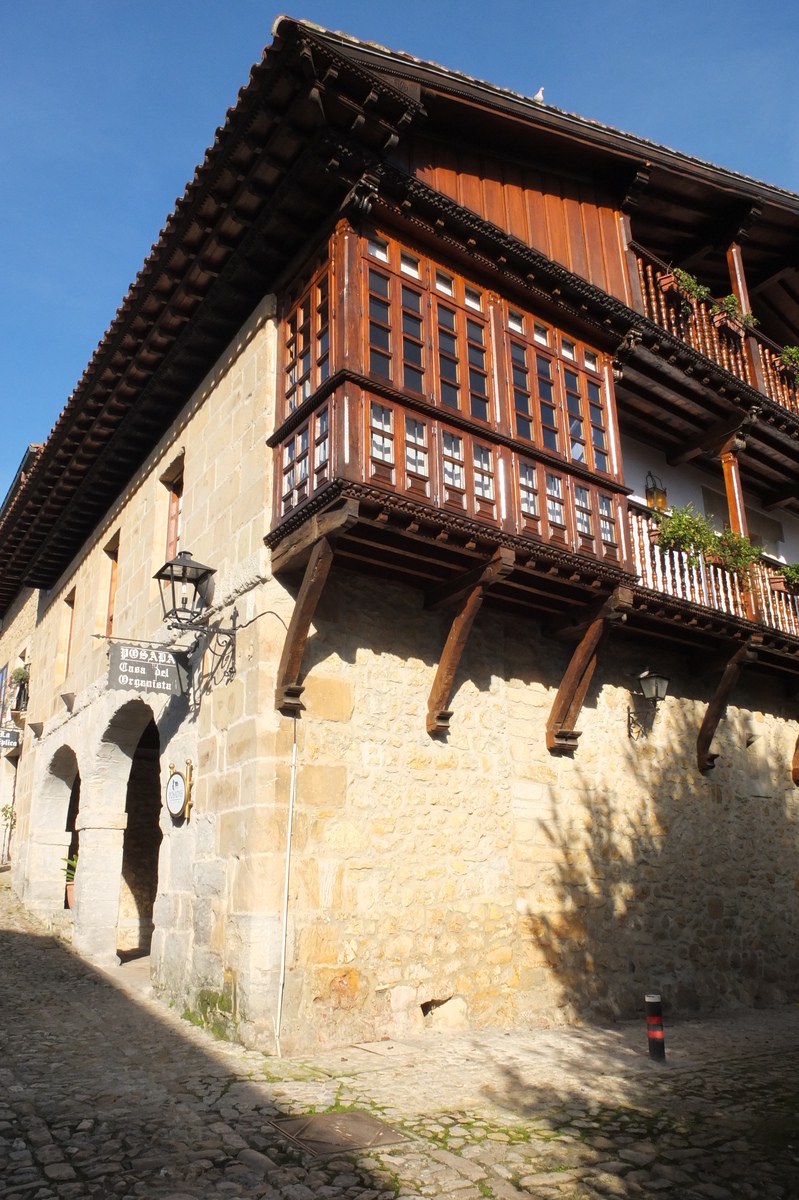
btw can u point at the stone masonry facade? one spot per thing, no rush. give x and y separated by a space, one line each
474 881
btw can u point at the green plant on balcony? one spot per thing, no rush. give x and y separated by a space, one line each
790 358
728 310
785 578
684 530
734 551
690 286
70 866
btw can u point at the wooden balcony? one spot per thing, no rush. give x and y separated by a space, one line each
743 351
707 584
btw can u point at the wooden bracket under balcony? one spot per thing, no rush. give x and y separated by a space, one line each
312 546
714 439
591 629
467 591
717 706
795 764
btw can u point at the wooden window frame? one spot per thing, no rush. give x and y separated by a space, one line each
306 329
112 552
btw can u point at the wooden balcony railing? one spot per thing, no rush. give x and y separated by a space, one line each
743 352
707 584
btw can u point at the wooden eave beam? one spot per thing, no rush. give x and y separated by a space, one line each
717 706
713 440
561 734
469 597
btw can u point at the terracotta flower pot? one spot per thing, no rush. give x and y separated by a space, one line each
668 283
723 321
70 890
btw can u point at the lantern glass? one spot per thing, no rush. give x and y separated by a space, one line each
184 589
653 686
655 493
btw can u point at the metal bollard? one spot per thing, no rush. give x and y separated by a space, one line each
654 1027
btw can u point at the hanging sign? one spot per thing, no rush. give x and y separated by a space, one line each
140 669
9 739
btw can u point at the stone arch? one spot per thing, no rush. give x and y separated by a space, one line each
102 824
54 829
140 847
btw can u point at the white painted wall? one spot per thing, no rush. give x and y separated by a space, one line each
778 531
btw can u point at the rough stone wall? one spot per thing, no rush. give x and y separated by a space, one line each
536 888
16 636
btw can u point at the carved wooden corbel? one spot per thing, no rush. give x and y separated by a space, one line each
715 710
591 629
467 591
311 547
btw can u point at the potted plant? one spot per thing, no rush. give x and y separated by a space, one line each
727 315
20 677
684 530
735 552
70 866
785 579
788 361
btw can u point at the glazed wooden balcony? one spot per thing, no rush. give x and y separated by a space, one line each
707 584
743 351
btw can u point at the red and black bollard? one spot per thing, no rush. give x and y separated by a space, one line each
654 1027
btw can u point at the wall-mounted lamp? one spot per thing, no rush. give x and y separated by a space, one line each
185 589
655 493
653 688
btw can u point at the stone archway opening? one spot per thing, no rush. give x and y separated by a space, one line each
73 849
140 848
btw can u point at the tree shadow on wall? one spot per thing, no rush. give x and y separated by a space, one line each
649 876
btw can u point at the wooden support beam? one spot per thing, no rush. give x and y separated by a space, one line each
714 439
795 764
561 735
782 497
289 689
470 600
717 706
455 590
293 552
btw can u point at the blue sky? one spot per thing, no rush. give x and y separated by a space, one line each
105 109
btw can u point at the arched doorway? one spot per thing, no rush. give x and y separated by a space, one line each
73 849
140 847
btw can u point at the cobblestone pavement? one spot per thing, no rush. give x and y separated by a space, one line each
105 1092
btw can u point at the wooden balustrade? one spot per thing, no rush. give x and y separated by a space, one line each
708 584
732 347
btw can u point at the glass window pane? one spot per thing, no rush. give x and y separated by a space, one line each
596 414
591 362
578 451
449 369
447 343
413 378
516 321
409 264
570 379
518 354
543 366
575 427
446 317
444 283
598 438
412 325
479 408
519 377
411 299
380 416
581 496
415 431
453 445
449 394
378 283
474 332
412 352
545 390
606 506
378 336
478 382
550 439
477 357
541 334
473 299
378 249
568 349
524 428
378 310
601 461
380 364
522 402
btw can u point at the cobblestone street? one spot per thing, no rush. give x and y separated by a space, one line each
105 1092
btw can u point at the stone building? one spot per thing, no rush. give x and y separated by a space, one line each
411 367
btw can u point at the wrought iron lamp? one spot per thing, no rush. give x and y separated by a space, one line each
185 588
178 577
655 493
653 688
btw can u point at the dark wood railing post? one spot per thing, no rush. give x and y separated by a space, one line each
735 263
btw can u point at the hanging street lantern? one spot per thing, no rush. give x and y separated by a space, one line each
653 687
184 589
